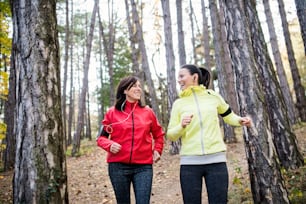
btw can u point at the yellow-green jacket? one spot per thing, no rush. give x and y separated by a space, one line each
203 135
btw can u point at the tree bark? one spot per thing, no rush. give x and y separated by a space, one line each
144 60
283 137
266 181
66 58
71 87
223 66
82 99
180 33
298 87
9 120
301 13
133 40
206 40
279 65
171 82
193 37
40 167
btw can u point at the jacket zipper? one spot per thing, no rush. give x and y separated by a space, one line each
133 131
200 117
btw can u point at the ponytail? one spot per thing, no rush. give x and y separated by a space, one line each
205 77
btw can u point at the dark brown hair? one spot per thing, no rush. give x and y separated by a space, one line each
125 84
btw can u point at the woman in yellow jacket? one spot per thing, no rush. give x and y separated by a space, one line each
194 119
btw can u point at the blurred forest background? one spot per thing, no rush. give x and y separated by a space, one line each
60 63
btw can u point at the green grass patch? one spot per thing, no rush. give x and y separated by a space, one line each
86 147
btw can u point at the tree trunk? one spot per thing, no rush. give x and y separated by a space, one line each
171 82
71 87
266 181
224 67
9 120
88 126
66 58
283 137
82 99
108 45
180 33
193 38
301 13
279 65
133 40
206 40
144 60
40 170
298 87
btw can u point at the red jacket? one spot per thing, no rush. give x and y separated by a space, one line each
137 131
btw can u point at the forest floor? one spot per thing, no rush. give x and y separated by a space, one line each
88 180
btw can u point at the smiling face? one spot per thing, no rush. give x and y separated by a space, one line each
185 79
133 93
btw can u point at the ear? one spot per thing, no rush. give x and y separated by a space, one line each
124 91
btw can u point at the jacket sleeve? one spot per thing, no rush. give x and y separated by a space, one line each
226 113
158 134
175 129
102 139
232 119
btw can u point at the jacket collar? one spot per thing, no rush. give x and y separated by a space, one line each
188 91
130 106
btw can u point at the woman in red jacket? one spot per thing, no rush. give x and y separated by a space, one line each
133 138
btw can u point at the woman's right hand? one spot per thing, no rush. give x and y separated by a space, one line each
186 120
115 148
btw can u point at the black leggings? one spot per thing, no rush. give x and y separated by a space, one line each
216 180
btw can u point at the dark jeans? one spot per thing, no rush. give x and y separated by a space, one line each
123 175
216 180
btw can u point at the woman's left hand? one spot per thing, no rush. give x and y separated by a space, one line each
156 156
245 121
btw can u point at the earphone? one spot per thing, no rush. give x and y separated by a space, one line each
109 129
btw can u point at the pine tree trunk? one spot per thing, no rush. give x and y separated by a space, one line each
9 120
133 40
193 37
171 82
180 33
82 99
298 87
279 65
66 58
145 63
266 181
71 87
283 137
40 170
301 13
224 67
206 40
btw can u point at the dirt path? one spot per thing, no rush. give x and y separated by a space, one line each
88 181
